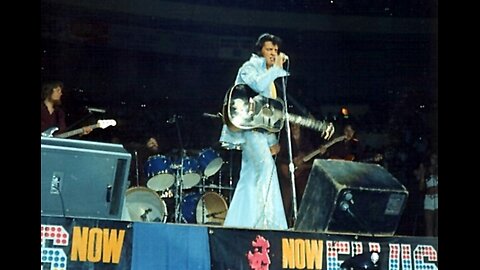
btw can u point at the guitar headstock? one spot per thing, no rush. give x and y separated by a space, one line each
378 157
328 132
326 128
106 123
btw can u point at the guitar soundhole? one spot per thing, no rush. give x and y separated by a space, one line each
267 111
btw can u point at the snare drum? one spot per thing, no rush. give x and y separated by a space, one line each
210 161
144 204
191 172
207 208
158 170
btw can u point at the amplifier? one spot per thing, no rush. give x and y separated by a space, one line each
351 197
83 178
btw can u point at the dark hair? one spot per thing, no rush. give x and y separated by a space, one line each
264 38
47 88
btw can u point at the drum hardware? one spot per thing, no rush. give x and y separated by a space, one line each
136 168
179 189
179 171
215 213
144 204
214 216
188 175
145 213
190 171
204 208
170 176
230 176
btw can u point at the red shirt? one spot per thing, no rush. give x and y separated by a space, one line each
56 119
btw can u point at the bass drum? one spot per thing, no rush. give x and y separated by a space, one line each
207 208
144 204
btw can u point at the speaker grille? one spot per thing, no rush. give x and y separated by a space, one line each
351 197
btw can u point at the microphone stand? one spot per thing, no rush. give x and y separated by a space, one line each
179 177
136 168
291 166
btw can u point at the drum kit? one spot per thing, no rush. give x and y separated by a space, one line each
187 183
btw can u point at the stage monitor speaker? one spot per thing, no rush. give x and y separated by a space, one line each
351 197
83 178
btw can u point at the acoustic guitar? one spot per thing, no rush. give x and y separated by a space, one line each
245 109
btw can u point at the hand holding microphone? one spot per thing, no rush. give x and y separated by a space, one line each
280 59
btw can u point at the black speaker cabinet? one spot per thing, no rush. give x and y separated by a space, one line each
83 178
351 197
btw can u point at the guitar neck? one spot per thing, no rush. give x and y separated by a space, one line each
75 132
308 122
327 145
311 155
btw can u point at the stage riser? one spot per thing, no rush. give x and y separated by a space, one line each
109 244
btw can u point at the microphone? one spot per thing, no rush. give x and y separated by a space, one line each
145 214
215 213
218 115
173 119
91 109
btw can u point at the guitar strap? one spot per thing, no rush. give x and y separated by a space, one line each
273 90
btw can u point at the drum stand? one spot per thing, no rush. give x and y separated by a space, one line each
179 190
179 174
202 191
220 186
230 177
137 175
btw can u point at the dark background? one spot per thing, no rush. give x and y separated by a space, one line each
143 64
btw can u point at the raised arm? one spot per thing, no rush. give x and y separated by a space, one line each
251 74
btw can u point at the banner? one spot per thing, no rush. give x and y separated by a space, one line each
170 246
263 250
72 243
77 243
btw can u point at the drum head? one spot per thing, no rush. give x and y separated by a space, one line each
213 167
211 209
210 161
144 204
191 172
161 182
190 180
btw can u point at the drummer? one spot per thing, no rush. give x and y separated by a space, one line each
140 154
